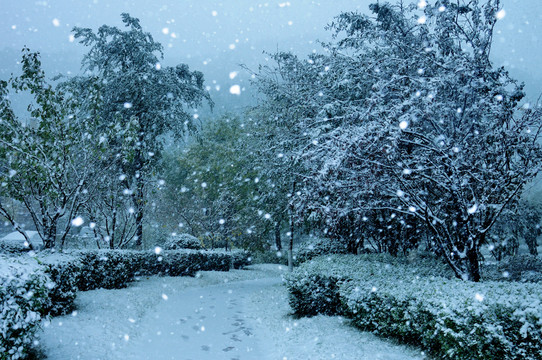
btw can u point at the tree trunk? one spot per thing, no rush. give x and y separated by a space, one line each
532 244
113 228
473 266
50 236
278 241
140 205
291 243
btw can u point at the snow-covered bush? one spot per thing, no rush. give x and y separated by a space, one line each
320 246
23 299
240 259
114 269
526 268
64 273
182 241
418 303
187 263
313 294
108 269
272 257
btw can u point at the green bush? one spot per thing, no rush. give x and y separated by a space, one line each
64 275
114 269
421 303
23 300
271 257
182 241
523 268
320 246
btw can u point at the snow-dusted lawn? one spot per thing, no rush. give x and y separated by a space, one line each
241 314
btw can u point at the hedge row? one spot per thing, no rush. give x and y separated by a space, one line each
422 304
29 290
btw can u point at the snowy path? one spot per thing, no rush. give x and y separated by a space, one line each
206 323
242 314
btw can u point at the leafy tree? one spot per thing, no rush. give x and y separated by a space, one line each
521 222
277 123
405 114
124 68
47 159
213 186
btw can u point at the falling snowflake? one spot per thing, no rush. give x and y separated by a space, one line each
235 90
78 221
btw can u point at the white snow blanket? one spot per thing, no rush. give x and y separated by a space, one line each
241 314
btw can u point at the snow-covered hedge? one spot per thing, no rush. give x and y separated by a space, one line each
114 269
272 257
420 303
23 300
31 288
182 241
64 273
320 246
238 258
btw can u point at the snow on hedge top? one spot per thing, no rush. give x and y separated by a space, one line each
10 265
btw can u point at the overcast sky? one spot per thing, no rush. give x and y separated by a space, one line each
216 36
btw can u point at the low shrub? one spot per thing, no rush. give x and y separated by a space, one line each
114 269
187 263
423 304
320 246
526 268
107 269
239 258
23 299
271 257
64 273
182 241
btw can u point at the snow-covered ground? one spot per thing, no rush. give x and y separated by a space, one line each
241 314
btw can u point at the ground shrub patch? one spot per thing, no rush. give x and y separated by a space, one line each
24 299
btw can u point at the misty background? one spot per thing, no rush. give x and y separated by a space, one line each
217 37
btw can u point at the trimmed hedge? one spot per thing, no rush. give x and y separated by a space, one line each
30 290
320 246
114 269
182 241
423 304
64 275
23 300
